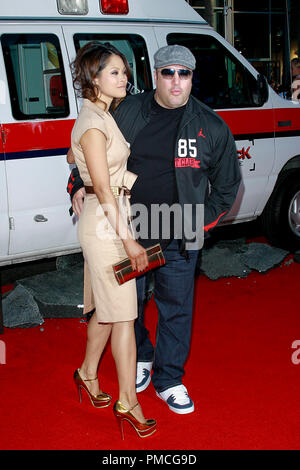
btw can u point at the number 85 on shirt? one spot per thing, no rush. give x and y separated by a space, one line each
187 148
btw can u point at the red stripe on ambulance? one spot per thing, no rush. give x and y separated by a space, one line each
31 135
24 136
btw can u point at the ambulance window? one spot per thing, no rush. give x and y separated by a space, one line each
37 84
220 80
135 50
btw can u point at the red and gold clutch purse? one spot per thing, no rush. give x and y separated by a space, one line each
124 272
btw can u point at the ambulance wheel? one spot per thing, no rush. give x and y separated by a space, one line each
281 216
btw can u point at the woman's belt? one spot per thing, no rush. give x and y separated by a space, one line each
116 190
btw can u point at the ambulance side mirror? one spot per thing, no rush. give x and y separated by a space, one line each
262 89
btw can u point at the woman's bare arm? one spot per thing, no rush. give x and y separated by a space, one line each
93 143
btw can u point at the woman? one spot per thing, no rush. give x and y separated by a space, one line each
100 74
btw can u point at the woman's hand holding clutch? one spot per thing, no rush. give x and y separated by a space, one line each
136 253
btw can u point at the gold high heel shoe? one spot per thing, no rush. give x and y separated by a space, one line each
123 414
98 401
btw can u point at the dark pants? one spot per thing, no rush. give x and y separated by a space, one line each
173 295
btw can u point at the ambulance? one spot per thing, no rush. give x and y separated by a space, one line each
38 107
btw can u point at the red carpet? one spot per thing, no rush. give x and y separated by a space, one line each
240 375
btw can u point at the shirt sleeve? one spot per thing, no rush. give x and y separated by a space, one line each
74 182
224 177
92 122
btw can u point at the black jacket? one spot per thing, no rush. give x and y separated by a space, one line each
205 155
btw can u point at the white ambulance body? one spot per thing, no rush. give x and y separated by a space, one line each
38 108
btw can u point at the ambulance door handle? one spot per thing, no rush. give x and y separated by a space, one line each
33 98
40 218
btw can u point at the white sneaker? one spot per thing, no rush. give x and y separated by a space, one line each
177 399
143 375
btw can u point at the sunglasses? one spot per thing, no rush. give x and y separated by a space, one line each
183 74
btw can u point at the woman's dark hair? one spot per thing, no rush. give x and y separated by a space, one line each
89 61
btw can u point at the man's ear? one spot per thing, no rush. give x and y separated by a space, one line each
155 76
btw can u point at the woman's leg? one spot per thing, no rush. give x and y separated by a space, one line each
97 336
123 348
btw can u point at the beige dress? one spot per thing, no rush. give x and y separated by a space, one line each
100 244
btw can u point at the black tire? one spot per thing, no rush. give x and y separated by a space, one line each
279 217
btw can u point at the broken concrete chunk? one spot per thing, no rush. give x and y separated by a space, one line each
20 309
57 293
262 257
222 262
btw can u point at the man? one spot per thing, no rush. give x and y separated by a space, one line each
184 154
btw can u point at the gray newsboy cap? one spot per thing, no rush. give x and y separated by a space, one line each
171 55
